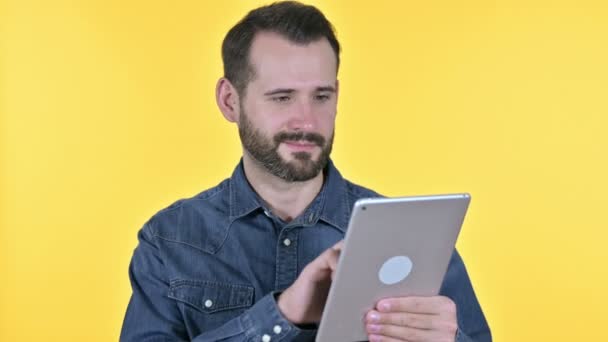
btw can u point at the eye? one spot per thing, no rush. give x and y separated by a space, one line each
322 97
281 98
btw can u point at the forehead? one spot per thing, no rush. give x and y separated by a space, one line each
280 62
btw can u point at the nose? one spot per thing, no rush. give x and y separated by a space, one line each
302 117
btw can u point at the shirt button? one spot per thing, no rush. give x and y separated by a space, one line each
208 303
277 329
287 242
266 338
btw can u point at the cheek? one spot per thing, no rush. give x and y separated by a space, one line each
275 126
265 119
327 123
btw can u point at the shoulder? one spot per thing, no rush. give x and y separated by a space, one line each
359 191
197 221
355 192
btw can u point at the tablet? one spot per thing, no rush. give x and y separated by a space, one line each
393 247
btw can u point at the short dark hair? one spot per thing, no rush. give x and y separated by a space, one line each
297 22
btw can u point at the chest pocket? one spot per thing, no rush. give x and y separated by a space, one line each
211 297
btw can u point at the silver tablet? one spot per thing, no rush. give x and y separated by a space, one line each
393 247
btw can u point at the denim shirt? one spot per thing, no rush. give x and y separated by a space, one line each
209 268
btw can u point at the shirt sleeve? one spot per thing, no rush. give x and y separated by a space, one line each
472 325
152 316
262 322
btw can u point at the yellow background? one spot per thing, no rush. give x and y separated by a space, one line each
108 115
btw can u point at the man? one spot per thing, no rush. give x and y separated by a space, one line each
252 258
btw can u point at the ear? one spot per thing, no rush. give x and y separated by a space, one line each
227 99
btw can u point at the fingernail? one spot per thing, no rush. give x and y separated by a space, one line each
373 328
386 306
374 338
374 317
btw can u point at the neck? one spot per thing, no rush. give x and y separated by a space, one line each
287 200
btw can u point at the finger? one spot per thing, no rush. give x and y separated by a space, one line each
380 338
334 255
329 257
338 246
323 266
422 305
402 333
412 320
332 261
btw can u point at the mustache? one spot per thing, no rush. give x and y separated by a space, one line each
314 138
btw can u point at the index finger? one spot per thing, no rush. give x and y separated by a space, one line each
338 246
421 305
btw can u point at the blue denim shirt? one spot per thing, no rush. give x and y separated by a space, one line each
208 268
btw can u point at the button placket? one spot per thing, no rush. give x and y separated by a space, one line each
287 260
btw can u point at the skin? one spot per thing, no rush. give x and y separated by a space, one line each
295 89
306 72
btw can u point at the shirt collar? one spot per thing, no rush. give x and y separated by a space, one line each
331 205
243 199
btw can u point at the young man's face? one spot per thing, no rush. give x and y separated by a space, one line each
288 113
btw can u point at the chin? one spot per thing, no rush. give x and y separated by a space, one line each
303 157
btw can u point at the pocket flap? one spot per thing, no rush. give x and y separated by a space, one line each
211 296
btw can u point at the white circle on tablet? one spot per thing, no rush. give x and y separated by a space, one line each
395 270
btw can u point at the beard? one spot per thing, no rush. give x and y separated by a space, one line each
265 151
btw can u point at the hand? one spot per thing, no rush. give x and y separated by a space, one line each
412 319
303 301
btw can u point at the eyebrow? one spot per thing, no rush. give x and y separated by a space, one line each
291 91
327 88
279 91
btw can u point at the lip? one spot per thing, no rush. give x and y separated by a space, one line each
300 145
